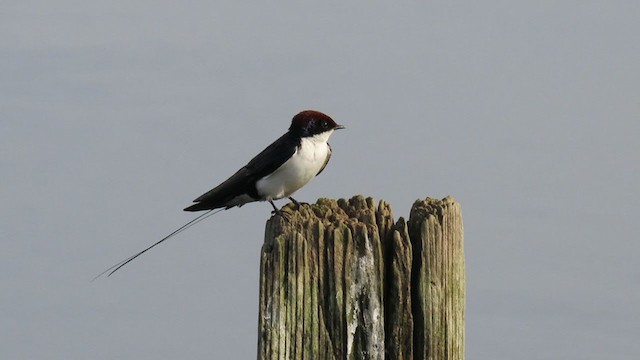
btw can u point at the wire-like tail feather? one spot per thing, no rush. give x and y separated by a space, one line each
124 262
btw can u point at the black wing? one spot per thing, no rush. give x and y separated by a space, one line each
243 181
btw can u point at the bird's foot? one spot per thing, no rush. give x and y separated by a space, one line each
285 215
298 204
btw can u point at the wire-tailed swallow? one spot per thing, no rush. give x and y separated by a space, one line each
277 172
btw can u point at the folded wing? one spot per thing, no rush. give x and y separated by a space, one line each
240 187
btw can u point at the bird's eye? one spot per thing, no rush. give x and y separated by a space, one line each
325 124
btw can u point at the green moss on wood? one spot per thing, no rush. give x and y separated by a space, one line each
339 281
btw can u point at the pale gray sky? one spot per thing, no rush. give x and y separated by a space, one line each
115 115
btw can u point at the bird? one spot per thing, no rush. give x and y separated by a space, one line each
281 169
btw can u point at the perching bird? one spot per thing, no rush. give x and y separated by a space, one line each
277 172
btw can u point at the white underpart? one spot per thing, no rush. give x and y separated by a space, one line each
297 171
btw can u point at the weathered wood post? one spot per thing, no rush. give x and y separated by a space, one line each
341 280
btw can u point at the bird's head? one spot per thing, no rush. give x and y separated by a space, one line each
310 123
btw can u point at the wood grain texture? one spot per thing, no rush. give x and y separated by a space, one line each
438 278
336 282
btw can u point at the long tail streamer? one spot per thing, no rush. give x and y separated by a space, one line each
184 227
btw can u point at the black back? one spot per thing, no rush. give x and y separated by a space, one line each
244 180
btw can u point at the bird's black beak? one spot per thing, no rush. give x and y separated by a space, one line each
338 127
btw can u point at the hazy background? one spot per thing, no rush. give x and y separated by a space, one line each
115 115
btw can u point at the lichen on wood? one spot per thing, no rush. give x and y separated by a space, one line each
438 279
336 283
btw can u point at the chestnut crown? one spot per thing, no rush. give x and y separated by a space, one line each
311 122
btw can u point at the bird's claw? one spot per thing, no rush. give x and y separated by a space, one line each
283 214
297 203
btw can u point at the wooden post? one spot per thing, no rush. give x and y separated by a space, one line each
341 280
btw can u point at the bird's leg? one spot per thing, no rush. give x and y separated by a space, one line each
277 211
295 201
298 204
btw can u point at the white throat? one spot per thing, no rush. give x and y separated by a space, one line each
320 138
